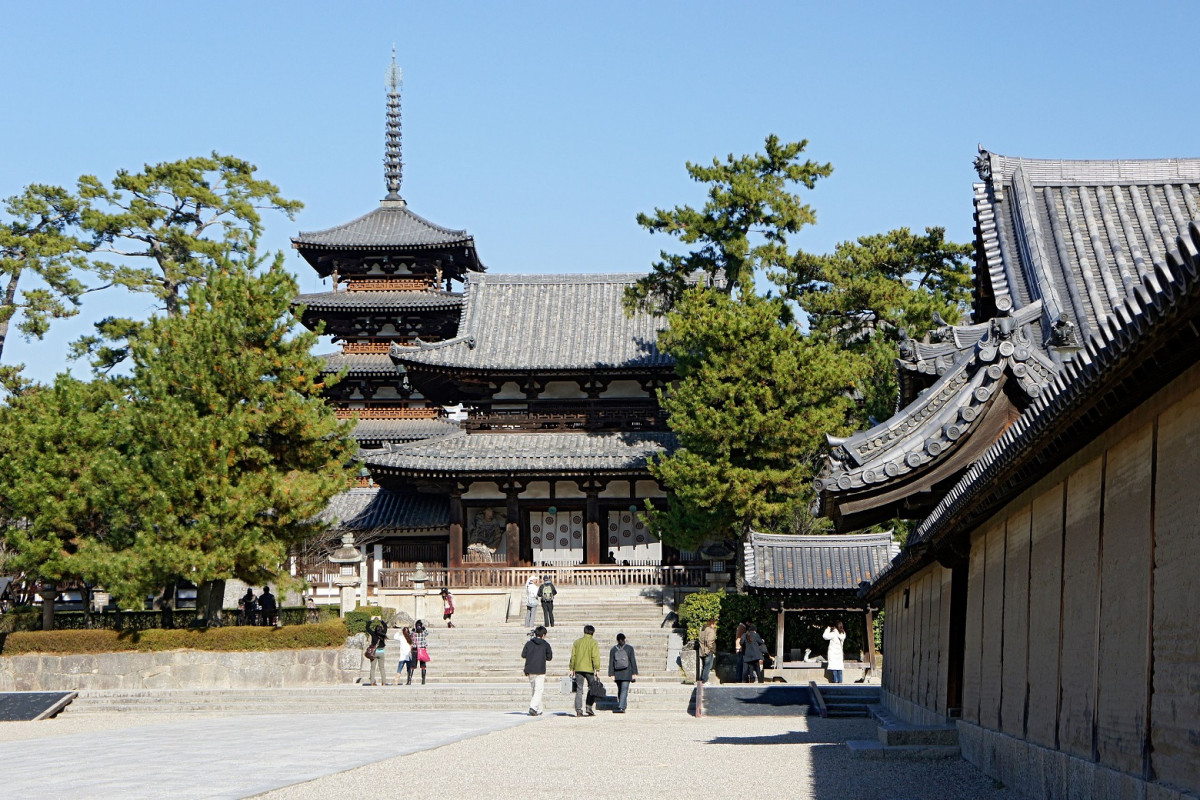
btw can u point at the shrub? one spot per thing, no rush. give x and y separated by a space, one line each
67 642
697 609
356 620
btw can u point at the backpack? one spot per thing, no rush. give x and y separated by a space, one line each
620 658
547 591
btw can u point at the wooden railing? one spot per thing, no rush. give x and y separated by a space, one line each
366 347
485 576
387 285
584 416
386 412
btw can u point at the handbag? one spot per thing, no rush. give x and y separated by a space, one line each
370 654
422 655
566 685
596 690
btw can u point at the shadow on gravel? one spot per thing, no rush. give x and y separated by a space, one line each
792 737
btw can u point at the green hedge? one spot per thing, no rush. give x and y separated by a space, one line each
68 642
31 619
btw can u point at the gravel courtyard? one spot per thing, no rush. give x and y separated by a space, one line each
660 754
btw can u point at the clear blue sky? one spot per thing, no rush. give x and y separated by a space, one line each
543 128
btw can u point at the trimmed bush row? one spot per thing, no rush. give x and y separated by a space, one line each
290 637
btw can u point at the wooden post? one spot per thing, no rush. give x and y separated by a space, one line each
591 554
512 531
779 623
870 638
456 530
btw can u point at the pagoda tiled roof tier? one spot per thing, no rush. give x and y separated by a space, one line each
392 226
1151 340
377 509
538 453
359 363
401 430
379 301
1061 246
828 563
545 323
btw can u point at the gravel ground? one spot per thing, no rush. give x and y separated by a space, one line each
659 754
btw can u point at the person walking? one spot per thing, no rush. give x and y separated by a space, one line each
267 607
836 636
447 607
546 594
531 601
378 631
585 663
708 649
753 648
739 673
420 647
537 652
622 668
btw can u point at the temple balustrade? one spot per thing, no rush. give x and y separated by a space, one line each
570 416
489 576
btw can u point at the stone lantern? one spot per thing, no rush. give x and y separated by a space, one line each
347 557
419 579
718 555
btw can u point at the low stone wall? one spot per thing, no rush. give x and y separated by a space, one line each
910 712
183 669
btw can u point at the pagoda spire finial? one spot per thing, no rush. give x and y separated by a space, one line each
392 163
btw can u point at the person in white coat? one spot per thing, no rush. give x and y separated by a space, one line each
836 636
531 601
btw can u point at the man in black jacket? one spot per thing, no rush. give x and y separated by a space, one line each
267 607
547 592
536 653
622 668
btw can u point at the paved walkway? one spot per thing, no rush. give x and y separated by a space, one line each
444 755
108 756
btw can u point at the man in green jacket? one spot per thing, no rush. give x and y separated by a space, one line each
585 663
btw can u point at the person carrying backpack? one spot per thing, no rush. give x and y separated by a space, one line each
546 593
622 668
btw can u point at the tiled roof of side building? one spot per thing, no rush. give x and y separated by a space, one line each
391 226
535 452
379 301
820 563
546 322
1149 342
1079 235
382 509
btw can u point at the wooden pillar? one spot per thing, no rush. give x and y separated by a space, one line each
869 619
512 531
456 530
591 548
779 623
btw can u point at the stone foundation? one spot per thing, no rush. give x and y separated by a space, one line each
183 669
1039 772
910 712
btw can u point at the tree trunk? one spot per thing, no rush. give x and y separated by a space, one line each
168 604
210 597
9 301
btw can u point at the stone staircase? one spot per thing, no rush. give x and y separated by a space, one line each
841 700
475 665
330 699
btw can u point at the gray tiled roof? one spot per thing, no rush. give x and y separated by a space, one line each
820 563
359 363
382 509
545 322
535 452
1080 235
1063 246
402 430
378 301
391 226
1117 369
